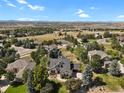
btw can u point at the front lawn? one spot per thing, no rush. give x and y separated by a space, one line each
63 89
113 83
17 89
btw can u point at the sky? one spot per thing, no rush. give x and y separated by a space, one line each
62 10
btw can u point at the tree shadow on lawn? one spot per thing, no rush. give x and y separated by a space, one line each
16 84
98 82
56 86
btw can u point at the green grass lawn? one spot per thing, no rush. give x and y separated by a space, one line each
91 40
63 89
18 89
113 83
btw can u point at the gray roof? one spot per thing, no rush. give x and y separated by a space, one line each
49 47
60 64
66 65
76 67
98 52
120 38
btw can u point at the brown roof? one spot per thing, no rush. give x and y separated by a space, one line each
20 65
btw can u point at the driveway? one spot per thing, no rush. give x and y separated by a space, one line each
121 67
4 84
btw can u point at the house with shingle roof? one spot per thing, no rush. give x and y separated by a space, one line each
62 66
105 58
19 66
120 38
102 54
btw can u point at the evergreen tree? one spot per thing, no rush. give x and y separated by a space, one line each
115 43
25 75
10 76
40 75
47 89
54 53
29 82
96 63
114 68
37 55
87 76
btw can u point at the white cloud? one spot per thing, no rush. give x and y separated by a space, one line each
33 7
36 7
27 19
9 3
80 11
93 8
82 14
22 1
120 16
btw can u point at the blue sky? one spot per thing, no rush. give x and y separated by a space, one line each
62 10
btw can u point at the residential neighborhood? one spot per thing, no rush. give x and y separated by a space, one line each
71 58
61 46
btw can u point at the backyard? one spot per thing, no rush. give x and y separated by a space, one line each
17 89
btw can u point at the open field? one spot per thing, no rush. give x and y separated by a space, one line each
45 37
52 36
109 80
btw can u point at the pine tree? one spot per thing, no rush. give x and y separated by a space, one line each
114 68
40 75
87 76
29 82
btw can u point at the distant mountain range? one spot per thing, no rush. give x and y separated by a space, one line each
15 23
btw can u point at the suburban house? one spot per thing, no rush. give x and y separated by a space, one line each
48 48
64 43
103 41
97 35
106 59
63 66
19 66
120 38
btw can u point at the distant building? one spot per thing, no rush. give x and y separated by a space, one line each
102 54
120 38
48 48
64 43
97 35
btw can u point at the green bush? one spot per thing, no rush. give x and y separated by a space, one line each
121 82
122 60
